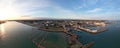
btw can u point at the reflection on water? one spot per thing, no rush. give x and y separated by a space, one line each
18 35
2 32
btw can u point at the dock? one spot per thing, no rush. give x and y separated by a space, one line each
92 31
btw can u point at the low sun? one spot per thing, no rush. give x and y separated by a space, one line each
4 14
7 12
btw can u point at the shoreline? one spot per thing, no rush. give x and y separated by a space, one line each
72 39
2 22
66 26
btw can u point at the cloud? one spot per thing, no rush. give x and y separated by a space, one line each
68 14
95 10
25 7
104 16
7 9
64 13
47 8
38 7
78 7
32 6
91 2
86 3
82 4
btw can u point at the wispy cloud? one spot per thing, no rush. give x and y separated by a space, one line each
91 2
48 8
82 4
7 9
29 7
64 13
25 7
86 3
95 10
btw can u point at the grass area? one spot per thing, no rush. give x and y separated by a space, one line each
52 28
55 28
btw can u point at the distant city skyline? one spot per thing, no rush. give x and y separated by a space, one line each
68 9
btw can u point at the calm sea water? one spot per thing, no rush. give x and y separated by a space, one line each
107 39
18 35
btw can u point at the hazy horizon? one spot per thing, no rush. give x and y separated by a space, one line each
61 9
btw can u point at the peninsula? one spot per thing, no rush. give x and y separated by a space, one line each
65 26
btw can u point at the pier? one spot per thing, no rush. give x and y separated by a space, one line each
92 31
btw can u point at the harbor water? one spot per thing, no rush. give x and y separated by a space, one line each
18 35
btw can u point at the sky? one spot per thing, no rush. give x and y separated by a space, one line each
68 9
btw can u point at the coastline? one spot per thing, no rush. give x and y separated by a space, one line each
72 39
65 27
